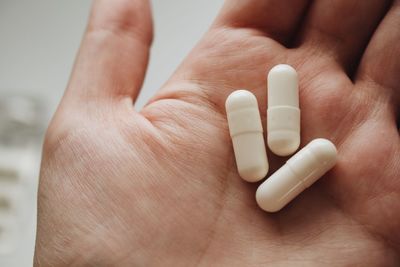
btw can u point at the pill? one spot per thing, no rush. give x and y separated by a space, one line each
299 172
246 131
283 114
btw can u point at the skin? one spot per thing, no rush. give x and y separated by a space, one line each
159 186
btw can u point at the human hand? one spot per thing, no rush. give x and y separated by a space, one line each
160 186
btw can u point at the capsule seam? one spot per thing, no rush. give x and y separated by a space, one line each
294 172
283 106
285 196
245 132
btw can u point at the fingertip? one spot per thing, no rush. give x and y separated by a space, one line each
123 16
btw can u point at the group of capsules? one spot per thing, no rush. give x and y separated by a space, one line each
283 138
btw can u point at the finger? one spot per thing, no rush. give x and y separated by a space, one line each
277 19
380 64
114 53
341 29
228 58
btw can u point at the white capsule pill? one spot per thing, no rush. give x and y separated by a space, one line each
299 172
283 114
246 131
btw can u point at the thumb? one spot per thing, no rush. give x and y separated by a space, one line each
114 53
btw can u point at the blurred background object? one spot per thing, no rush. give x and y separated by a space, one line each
38 43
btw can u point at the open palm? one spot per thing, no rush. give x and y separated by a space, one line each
160 186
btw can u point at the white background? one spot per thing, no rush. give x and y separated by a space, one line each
38 42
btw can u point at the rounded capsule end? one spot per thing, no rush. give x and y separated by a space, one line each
283 143
267 202
283 86
324 150
283 69
240 99
254 174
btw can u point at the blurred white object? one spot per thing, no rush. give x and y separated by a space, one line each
21 131
9 235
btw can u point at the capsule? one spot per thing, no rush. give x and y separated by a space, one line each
246 131
299 172
283 114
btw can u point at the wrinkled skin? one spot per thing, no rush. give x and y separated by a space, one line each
159 186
